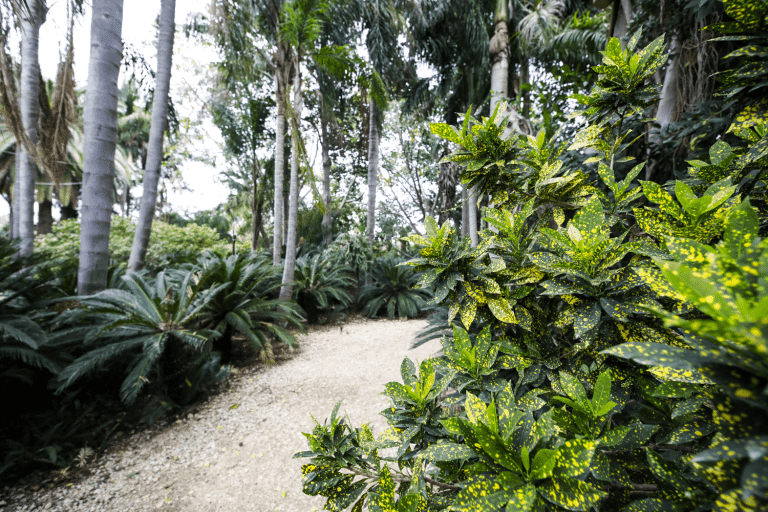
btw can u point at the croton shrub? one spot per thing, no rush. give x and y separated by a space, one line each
609 335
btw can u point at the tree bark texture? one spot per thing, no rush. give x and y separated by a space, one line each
289 269
327 227
373 176
464 211
156 131
472 217
668 105
499 50
622 15
30 112
277 241
100 134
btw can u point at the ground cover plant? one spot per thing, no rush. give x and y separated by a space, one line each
86 362
609 335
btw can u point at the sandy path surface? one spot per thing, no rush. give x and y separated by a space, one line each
235 453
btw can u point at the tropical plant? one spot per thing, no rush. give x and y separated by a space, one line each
100 123
24 344
322 285
137 328
239 298
537 403
159 121
392 289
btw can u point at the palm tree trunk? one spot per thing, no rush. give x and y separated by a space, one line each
327 228
255 217
277 242
525 80
30 112
499 49
472 216
289 270
15 197
464 211
44 216
100 120
156 131
257 227
373 177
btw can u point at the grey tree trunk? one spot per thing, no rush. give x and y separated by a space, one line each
255 217
277 242
464 211
100 141
668 109
622 15
472 217
373 177
289 270
156 131
15 198
327 227
30 112
499 50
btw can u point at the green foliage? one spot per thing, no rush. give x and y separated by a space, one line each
609 359
63 244
238 298
621 88
747 80
321 286
24 344
392 288
136 325
513 171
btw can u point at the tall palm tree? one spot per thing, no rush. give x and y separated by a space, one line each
159 122
301 27
279 60
29 86
100 121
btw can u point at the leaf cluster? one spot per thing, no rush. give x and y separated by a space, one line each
610 359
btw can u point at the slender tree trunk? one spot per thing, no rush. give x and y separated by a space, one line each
277 242
622 15
257 228
30 112
373 177
15 206
156 131
254 198
286 290
44 217
525 80
327 227
499 49
464 211
472 217
100 141
668 111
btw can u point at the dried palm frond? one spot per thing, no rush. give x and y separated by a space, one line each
57 116
9 98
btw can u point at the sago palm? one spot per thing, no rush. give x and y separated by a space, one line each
134 325
321 281
240 299
392 289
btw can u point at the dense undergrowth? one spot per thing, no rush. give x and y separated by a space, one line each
607 337
75 370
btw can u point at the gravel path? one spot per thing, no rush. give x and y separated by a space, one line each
235 453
